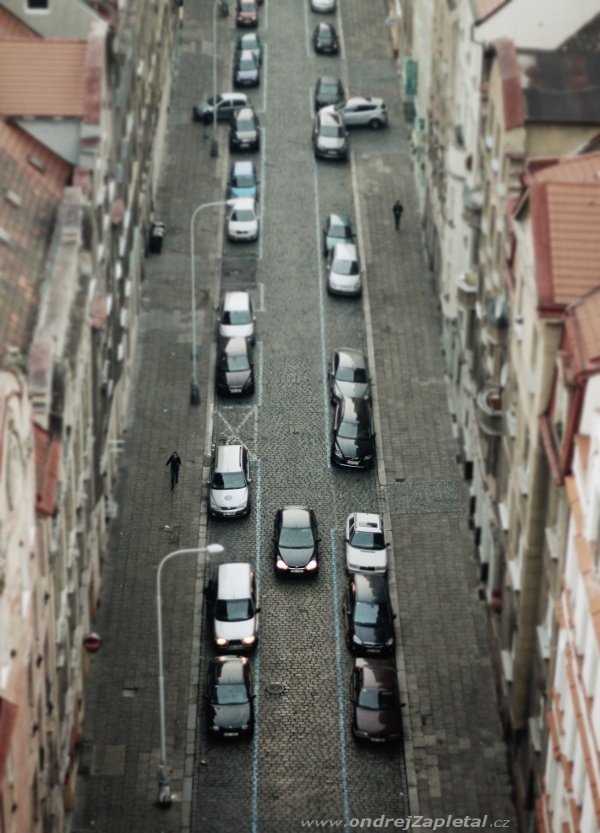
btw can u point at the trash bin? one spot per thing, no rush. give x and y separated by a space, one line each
157 232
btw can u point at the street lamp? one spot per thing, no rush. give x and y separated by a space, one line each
164 784
195 388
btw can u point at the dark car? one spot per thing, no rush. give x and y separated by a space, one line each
235 366
229 696
349 375
296 540
353 436
246 14
375 701
369 617
244 133
328 90
251 41
325 39
245 70
329 137
337 229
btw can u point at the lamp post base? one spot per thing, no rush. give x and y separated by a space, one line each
164 792
195 393
214 146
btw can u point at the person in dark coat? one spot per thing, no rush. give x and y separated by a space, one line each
397 209
174 461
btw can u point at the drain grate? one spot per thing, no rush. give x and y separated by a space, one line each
275 688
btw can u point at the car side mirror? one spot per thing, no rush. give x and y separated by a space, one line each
387 546
319 540
394 616
257 610
274 539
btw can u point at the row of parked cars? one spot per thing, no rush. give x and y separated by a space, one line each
232 598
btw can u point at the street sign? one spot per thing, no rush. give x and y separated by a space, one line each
92 643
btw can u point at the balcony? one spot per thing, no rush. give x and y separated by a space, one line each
496 320
466 285
489 410
473 203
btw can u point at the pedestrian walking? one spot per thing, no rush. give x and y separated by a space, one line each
174 461
206 120
397 209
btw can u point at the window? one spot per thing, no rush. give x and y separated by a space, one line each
38 5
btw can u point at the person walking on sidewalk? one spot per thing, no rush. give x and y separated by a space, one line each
174 461
397 209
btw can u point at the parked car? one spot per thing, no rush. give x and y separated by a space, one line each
325 39
229 697
366 547
244 132
360 111
236 316
251 41
352 435
337 229
349 375
322 5
296 540
243 222
229 482
233 605
375 701
343 270
245 70
227 104
246 14
369 616
235 367
329 137
243 180
328 90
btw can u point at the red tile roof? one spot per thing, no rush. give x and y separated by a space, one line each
43 78
12 27
565 220
582 334
582 168
486 8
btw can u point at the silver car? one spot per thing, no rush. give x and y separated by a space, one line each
322 5
360 111
349 375
343 270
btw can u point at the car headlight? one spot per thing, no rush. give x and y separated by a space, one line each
281 565
221 642
215 728
390 641
245 727
249 640
356 640
312 565
248 383
360 733
368 457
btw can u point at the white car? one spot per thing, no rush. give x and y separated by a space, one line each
366 549
343 275
360 111
322 5
243 221
236 316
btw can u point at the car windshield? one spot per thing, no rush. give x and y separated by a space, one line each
370 614
377 700
237 316
247 7
244 181
228 480
331 131
353 431
340 231
325 34
368 540
352 374
234 610
247 63
243 215
245 125
233 363
296 538
211 100
344 267
229 695
328 89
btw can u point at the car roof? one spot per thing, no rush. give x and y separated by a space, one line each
370 587
235 346
295 516
244 202
376 674
339 219
357 409
367 520
329 116
245 112
349 357
246 54
236 299
227 458
243 166
345 251
230 96
249 36
326 26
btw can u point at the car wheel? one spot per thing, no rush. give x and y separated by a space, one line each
375 124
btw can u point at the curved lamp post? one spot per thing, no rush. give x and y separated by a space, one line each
195 387
164 784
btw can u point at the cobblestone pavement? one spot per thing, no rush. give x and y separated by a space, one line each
303 764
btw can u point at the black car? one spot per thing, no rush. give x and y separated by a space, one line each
325 39
296 540
328 90
245 70
235 366
353 435
251 41
244 133
369 616
375 701
229 696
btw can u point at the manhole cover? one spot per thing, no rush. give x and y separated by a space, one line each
276 688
